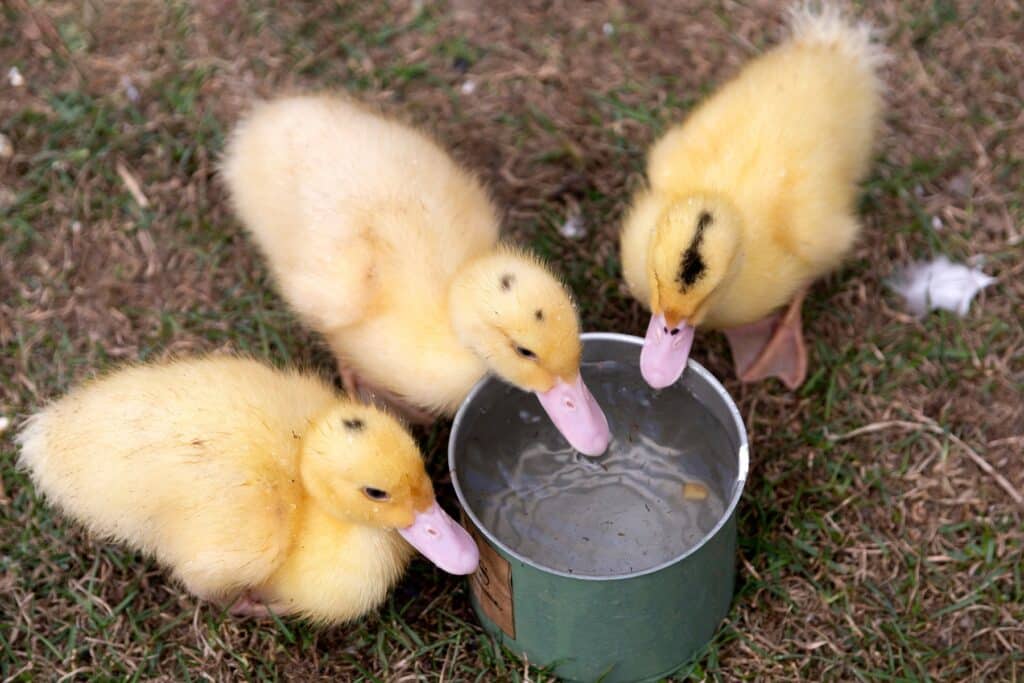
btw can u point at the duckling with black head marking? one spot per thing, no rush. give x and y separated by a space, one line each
752 199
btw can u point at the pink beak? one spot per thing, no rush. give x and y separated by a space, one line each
577 415
665 352
442 541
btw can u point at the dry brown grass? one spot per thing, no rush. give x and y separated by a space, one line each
888 554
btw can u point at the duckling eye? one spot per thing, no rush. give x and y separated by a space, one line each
525 353
375 494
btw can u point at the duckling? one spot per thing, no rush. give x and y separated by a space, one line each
753 198
390 250
261 489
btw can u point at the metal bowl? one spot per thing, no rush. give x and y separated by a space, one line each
627 626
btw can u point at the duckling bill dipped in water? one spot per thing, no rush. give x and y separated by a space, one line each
752 199
389 249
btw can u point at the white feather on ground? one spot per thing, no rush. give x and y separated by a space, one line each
939 284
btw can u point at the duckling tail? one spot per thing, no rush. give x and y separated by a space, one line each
821 23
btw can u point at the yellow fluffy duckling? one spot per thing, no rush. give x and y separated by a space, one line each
753 198
259 488
389 249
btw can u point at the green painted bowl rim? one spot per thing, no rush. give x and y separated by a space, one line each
743 464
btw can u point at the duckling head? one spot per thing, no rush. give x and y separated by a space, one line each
692 253
516 316
362 467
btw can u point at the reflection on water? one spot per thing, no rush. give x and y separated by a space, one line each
625 511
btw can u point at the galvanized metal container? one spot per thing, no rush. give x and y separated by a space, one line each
636 627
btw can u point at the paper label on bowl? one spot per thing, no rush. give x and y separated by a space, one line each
492 584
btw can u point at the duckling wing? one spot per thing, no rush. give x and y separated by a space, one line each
329 278
232 530
297 175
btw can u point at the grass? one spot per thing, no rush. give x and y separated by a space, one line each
887 555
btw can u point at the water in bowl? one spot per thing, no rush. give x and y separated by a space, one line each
658 490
